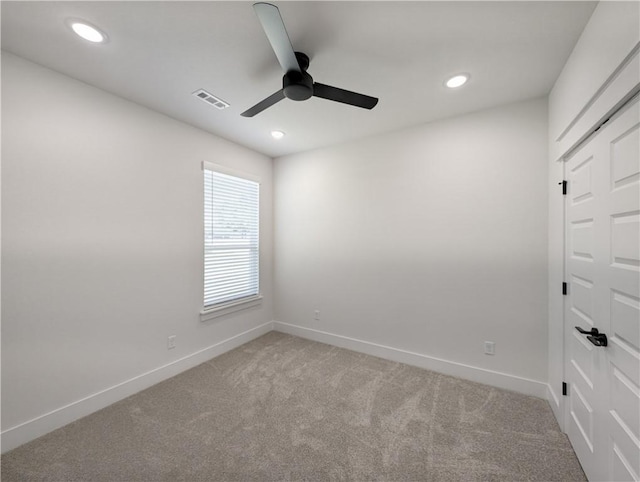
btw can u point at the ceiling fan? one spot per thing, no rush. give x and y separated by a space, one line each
297 84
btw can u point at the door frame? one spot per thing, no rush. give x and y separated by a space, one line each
613 112
618 89
629 101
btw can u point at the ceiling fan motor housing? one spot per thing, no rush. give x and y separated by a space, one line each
297 85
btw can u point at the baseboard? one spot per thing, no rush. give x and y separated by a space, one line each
32 429
480 375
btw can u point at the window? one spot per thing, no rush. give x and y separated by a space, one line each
231 239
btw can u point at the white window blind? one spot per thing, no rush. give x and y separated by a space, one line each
231 238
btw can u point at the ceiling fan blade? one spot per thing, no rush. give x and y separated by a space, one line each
273 26
344 96
266 103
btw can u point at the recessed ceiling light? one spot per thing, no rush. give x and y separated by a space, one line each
87 31
457 81
277 134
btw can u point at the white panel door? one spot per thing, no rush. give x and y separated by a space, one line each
603 276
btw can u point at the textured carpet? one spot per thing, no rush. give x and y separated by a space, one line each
285 408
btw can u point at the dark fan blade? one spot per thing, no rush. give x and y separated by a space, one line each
344 96
273 26
266 103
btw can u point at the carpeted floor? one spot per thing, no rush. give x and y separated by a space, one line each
285 408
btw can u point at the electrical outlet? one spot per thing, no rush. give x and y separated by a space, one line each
171 342
489 348
316 315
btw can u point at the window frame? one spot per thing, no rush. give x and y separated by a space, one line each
231 306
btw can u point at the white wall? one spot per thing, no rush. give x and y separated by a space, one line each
600 71
430 240
102 245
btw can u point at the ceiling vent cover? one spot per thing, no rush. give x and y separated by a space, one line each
211 99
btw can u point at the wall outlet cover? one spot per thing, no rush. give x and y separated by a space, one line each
489 348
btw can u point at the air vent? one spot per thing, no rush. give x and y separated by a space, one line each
210 99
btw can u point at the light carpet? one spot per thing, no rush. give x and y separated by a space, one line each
286 408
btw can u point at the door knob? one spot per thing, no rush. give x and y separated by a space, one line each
594 336
593 331
598 340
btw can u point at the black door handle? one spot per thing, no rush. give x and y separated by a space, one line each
594 336
598 340
592 331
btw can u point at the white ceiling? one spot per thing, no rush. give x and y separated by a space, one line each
160 52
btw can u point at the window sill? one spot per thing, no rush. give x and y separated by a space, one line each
230 307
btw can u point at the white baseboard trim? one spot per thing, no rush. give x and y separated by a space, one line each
468 372
32 429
